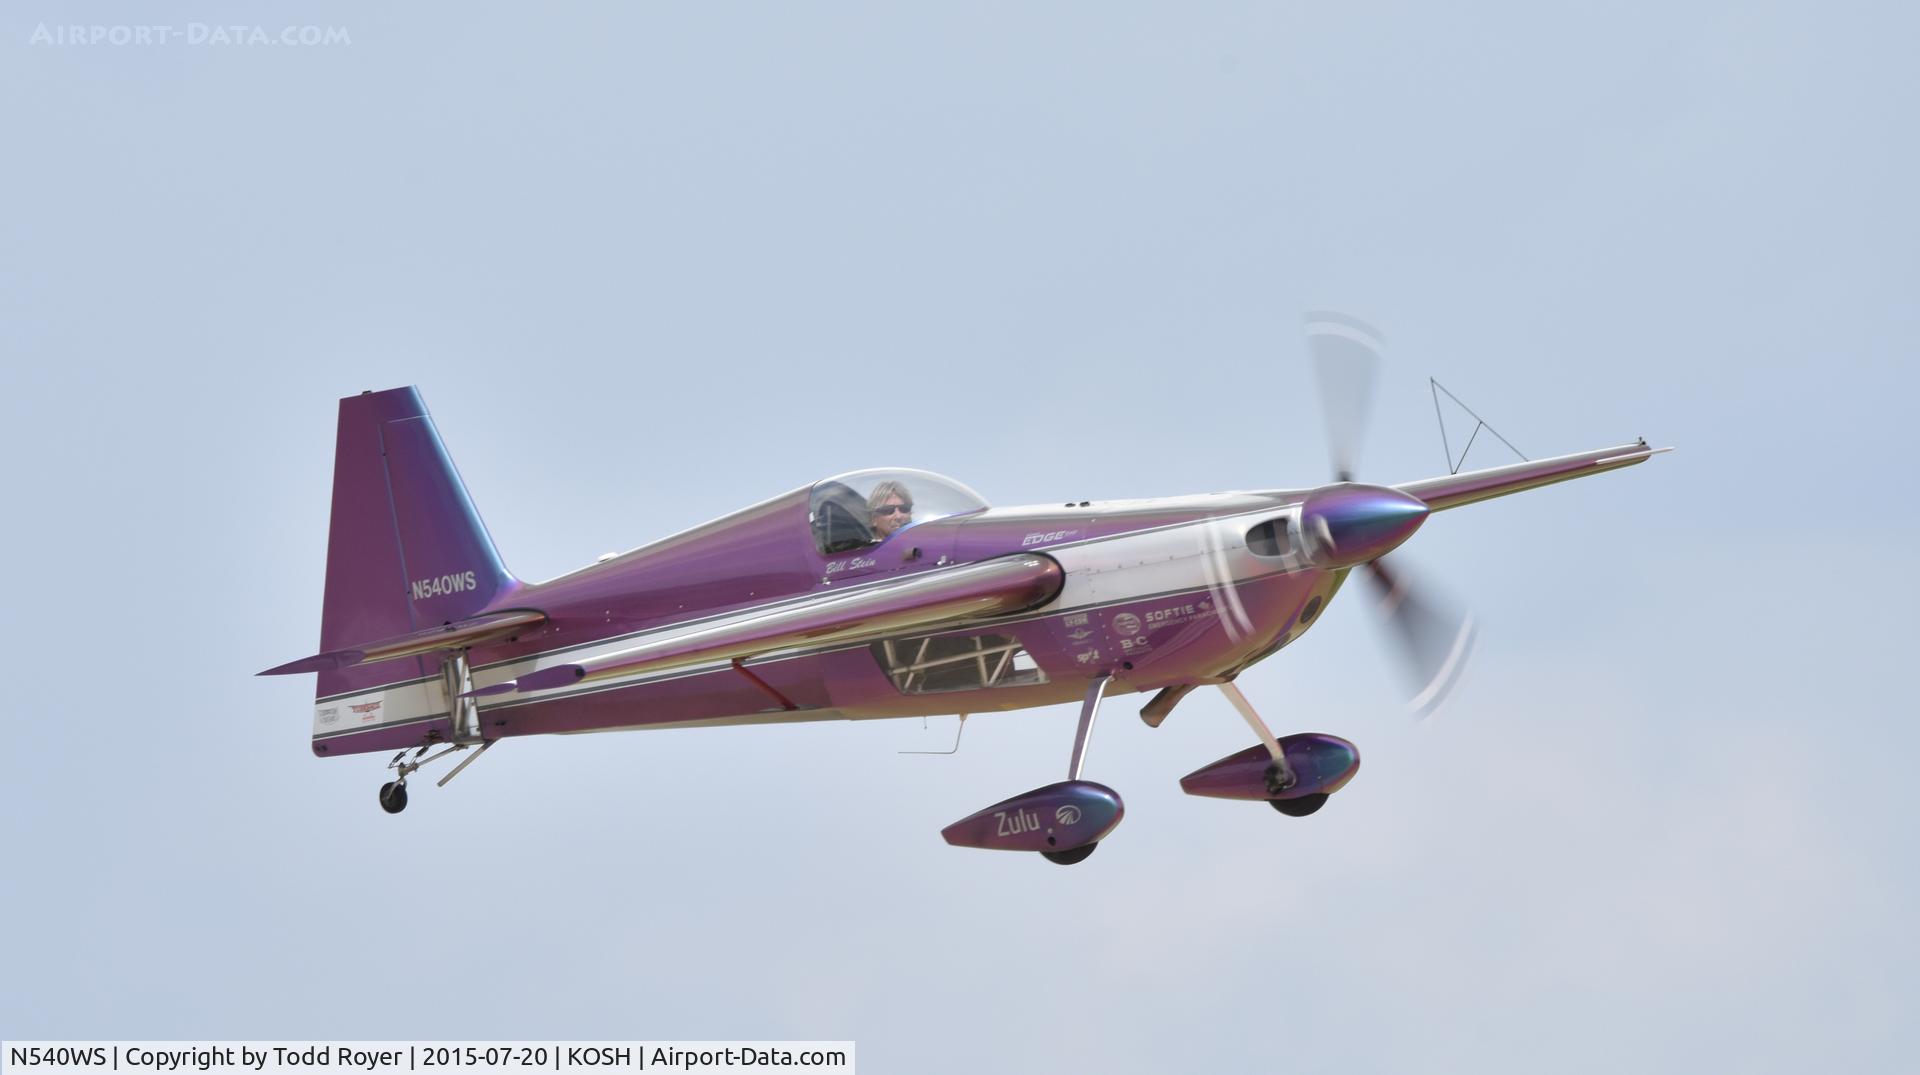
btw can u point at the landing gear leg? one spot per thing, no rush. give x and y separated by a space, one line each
1089 709
1064 820
1279 775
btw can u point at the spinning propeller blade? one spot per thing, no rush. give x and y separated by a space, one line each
1346 354
1432 638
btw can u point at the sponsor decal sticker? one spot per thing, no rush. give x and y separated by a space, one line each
1126 624
1067 815
1177 613
367 711
329 714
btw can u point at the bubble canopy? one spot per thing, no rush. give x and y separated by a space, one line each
865 507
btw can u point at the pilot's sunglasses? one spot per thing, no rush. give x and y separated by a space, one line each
895 509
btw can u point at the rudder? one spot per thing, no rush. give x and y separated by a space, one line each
405 547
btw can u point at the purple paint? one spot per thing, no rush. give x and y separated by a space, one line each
1058 817
1347 525
1322 764
405 547
407 553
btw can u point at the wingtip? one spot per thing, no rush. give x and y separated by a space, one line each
323 662
498 688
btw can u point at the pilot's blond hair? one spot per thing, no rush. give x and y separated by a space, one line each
886 489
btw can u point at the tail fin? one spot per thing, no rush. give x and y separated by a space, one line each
405 549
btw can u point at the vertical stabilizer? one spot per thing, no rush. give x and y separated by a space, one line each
405 548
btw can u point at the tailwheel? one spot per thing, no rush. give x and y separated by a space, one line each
1300 807
1068 858
393 796
393 793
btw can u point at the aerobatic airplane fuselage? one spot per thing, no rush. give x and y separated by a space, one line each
874 594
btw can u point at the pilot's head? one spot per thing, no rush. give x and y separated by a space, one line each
889 507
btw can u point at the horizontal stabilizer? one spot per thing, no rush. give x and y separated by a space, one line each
1439 494
935 600
457 635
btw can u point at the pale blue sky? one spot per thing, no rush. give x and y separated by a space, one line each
649 263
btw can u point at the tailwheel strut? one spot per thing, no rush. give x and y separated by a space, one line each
393 793
463 711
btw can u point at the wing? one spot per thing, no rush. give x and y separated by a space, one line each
937 599
1439 494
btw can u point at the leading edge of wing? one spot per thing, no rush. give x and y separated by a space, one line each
1453 490
942 598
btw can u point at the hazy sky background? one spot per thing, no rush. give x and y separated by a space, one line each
649 263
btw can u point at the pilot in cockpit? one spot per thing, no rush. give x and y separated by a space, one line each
889 507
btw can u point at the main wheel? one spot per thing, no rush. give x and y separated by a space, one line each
393 797
1300 807
1068 858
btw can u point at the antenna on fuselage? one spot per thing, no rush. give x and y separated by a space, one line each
957 733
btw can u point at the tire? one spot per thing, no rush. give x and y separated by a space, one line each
1300 807
393 797
1069 857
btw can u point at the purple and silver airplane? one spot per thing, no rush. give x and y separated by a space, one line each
879 593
